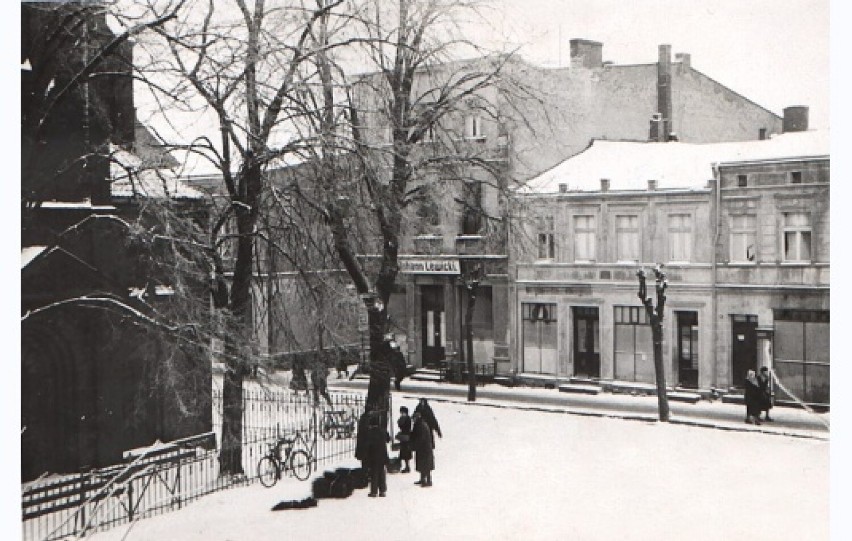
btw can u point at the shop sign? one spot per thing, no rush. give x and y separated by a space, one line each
429 266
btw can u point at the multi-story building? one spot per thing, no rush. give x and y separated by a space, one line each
742 231
591 99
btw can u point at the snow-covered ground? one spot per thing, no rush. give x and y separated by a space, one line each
507 474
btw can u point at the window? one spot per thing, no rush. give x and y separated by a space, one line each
795 177
546 248
802 354
473 127
634 347
743 238
797 236
680 237
627 238
584 238
539 337
742 181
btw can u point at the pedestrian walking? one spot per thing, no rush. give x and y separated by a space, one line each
298 380
424 449
319 380
753 398
404 437
397 362
376 455
764 380
342 367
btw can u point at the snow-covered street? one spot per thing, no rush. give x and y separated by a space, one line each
510 474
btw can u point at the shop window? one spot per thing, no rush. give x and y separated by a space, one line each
634 348
797 236
743 238
802 355
539 335
584 238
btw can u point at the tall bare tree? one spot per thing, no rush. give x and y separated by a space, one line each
406 141
246 66
655 320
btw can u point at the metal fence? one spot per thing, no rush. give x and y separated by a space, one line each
167 477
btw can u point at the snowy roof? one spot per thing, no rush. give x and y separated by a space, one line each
28 253
131 178
674 165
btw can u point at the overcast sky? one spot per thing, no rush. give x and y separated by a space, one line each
774 52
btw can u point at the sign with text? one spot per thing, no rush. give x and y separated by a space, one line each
429 266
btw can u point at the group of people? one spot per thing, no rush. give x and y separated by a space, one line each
758 395
416 438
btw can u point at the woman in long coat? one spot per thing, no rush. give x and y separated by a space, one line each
375 454
424 449
753 398
404 437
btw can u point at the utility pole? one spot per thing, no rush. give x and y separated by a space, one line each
655 319
472 278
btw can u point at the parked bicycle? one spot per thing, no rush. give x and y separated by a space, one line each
285 455
341 423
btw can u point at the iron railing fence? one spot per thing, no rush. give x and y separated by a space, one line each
168 477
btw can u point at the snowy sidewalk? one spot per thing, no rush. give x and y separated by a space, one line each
504 474
787 421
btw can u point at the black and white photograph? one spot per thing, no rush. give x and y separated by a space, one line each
419 270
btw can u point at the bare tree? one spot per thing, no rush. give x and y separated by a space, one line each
655 320
406 143
245 65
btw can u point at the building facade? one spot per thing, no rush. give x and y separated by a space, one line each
590 99
742 231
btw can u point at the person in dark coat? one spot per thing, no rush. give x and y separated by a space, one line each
424 449
753 398
763 380
397 363
376 455
361 438
429 416
319 380
404 437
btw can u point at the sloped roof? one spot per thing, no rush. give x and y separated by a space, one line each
130 177
674 165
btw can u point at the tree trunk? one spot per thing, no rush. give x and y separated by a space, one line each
379 387
662 397
230 458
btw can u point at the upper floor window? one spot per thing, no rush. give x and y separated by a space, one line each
627 238
795 177
743 238
742 181
797 236
680 237
546 247
473 127
584 238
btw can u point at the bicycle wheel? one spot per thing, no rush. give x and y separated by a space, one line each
300 464
267 471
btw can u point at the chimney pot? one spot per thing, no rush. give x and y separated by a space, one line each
604 184
563 188
652 185
685 60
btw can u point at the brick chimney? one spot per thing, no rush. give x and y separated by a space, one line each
586 53
795 118
685 60
664 92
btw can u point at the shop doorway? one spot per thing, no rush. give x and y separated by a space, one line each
433 325
687 347
743 347
587 356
